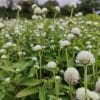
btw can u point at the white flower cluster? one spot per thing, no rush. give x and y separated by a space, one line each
85 57
91 95
71 76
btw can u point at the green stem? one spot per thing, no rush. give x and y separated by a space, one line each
70 91
40 59
56 90
85 81
67 57
72 10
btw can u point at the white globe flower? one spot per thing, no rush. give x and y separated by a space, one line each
34 58
1 25
7 79
2 51
4 57
37 48
64 43
34 6
73 4
37 11
8 44
89 46
44 10
57 8
52 64
75 31
97 87
85 57
70 37
80 93
93 95
71 76
19 7
35 17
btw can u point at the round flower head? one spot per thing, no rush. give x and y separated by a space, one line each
44 10
51 64
19 7
1 25
73 4
97 87
85 57
93 95
71 76
57 8
70 37
64 43
80 93
37 47
37 10
34 6
75 31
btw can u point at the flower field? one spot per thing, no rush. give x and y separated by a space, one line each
50 59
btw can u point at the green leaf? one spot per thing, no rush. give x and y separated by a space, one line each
27 91
32 82
20 65
7 68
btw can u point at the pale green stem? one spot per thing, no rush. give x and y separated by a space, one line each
85 81
70 91
56 90
40 59
67 56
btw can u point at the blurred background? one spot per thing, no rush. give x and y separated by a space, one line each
8 7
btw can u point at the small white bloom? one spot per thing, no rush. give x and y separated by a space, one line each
64 43
34 6
75 31
7 79
35 17
89 46
8 44
57 8
1 25
37 47
44 10
34 58
37 11
52 64
19 7
85 57
70 37
57 77
73 4
93 95
2 51
4 57
71 76
80 93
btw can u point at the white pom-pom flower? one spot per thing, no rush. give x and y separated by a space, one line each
57 8
85 57
37 11
73 4
71 76
93 95
75 31
37 47
80 93
64 43
97 87
51 64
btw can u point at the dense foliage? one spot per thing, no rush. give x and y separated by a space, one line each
27 46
